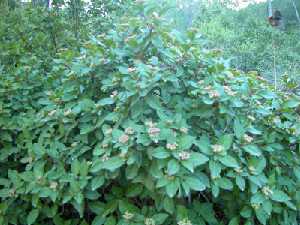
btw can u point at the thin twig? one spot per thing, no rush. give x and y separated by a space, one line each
274 64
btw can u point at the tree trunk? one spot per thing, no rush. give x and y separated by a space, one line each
270 10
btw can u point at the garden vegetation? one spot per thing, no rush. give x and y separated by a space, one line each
123 119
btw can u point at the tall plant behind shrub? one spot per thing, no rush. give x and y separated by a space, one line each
250 42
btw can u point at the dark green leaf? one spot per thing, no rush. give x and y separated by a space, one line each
32 216
168 205
97 182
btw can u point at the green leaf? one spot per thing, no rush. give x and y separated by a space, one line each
110 207
160 218
189 164
291 205
168 205
172 188
4 193
154 102
215 190
181 212
160 153
198 159
297 172
123 70
106 101
86 128
204 144
131 171
239 130
261 215
97 182
116 134
113 163
226 141
173 167
258 163
207 211
38 169
246 212
292 103
252 150
99 220
186 142
96 207
134 190
229 161
267 206
32 216
75 167
257 198
234 221
215 169
98 150
38 150
280 196
240 182
162 182
195 183
110 221
253 130
224 183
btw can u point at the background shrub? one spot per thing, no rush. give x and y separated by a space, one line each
250 42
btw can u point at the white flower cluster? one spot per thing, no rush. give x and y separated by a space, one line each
114 94
185 222
51 113
248 138
217 148
123 139
267 191
104 158
153 131
127 215
184 155
229 91
149 221
108 131
129 130
171 146
212 93
184 130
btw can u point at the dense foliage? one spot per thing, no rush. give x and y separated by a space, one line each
140 124
247 38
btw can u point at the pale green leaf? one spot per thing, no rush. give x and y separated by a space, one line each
229 161
195 183
280 196
173 167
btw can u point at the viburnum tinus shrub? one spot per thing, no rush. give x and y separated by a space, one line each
147 127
